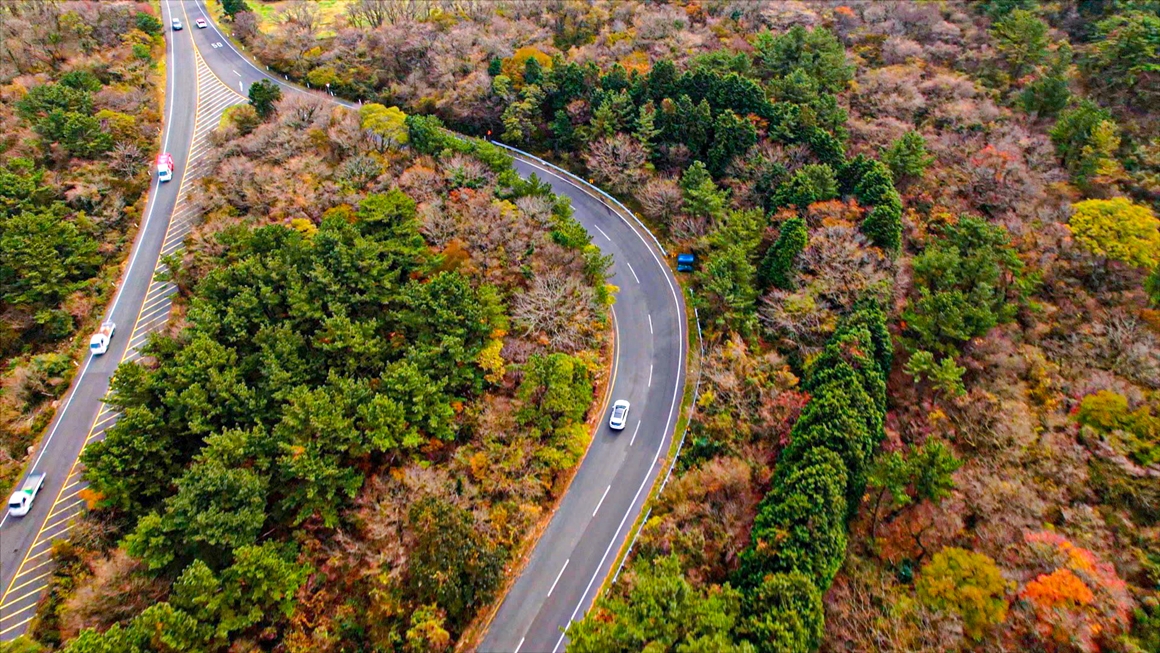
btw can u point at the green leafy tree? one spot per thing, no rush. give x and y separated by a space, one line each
451 564
1021 38
43 100
1152 286
732 136
129 467
1125 56
521 118
921 474
556 391
264 94
233 7
425 133
148 23
662 612
259 585
727 287
968 281
702 197
784 614
801 524
646 129
1117 229
1050 93
216 510
817 52
945 375
777 264
22 187
533 71
811 183
965 583
997 9
907 157
43 259
1085 139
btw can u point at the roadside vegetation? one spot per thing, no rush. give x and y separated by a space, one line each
927 262
79 117
378 374
928 273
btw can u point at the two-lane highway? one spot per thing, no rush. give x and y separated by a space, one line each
194 104
577 550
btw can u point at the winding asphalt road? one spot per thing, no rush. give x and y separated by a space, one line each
195 100
576 552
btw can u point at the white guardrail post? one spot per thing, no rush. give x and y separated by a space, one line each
696 315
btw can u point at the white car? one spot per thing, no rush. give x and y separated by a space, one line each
619 415
21 501
201 24
99 343
176 24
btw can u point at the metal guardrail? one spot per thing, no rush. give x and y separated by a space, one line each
590 186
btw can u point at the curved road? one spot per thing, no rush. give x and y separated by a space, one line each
579 546
139 306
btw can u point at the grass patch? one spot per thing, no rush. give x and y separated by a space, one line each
329 11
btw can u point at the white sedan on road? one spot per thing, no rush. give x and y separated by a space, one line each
619 415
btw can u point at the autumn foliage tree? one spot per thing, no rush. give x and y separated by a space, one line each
1117 229
968 584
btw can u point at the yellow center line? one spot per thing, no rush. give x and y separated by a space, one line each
56 501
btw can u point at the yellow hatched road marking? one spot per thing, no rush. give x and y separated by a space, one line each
15 626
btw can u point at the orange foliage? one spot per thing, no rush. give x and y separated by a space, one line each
637 61
834 212
514 67
1081 601
1059 589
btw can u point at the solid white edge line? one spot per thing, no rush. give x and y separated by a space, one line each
672 409
553 587
156 186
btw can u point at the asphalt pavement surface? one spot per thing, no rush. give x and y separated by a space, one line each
194 103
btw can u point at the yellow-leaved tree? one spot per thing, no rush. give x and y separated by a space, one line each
1117 229
965 583
387 124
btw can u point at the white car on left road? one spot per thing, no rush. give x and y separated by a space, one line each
21 501
99 343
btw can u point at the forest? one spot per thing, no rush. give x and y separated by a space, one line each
79 115
927 275
928 279
377 376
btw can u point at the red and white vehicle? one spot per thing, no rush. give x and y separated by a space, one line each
165 166
99 343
